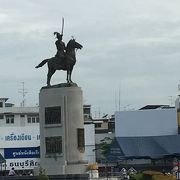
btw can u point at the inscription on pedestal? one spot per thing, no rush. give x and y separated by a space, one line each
81 141
53 145
53 115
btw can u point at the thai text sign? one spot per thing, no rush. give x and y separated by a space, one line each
19 137
20 164
28 152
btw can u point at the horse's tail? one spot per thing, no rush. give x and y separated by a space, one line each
42 63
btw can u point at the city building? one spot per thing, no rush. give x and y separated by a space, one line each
102 128
20 137
90 143
146 136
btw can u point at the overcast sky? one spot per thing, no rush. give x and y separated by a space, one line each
129 46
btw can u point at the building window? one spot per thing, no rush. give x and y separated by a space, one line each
1 116
97 125
9 119
53 145
53 115
37 119
32 119
87 111
29 120
1 104
22 115
12 120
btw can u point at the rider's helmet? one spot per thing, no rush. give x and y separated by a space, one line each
58 35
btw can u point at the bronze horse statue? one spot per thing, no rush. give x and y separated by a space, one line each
66 64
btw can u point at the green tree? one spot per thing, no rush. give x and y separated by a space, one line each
104 146
42 174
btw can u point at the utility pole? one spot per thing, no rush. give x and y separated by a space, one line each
171 100
115 101
119 98
23 92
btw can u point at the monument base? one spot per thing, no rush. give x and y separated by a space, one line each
76 168
62 130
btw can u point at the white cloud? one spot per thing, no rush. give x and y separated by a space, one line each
134 43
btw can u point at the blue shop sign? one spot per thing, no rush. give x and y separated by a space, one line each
29 152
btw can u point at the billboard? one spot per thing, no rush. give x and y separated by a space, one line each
19 137
20 147
28 152
23 163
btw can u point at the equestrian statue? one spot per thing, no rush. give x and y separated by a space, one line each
65 58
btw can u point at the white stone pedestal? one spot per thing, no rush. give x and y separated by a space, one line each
61 130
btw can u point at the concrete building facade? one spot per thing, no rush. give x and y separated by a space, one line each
154 122
20 137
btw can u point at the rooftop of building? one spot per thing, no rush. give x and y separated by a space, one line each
145 147
4 99
153 106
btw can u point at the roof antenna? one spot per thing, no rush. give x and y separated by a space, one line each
23 92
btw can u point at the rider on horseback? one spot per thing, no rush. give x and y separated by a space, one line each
60 45
64 59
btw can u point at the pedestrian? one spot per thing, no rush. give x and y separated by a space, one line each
12 172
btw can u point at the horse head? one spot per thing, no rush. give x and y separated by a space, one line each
72 44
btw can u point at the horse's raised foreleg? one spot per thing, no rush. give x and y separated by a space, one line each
70 81
67 77
49 75
70 73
